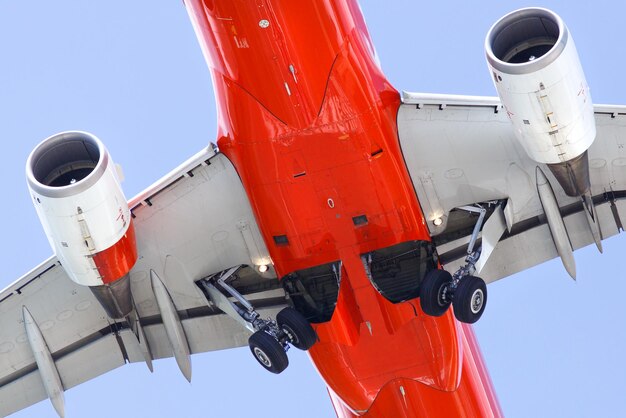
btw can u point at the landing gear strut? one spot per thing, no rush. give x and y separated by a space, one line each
466 292
271 339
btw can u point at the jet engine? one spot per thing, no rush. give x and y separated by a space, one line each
535 67
76 192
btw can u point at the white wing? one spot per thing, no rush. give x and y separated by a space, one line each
460 150
194 222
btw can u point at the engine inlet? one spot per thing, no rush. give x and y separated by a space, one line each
523 37
66 164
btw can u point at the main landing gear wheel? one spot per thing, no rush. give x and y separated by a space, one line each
434 292
470 299
298 330
268 352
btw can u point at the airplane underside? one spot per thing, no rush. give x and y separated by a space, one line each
309 122
334 216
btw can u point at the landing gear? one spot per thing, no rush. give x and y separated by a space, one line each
434 293
268 352
269 345
297 329
468 296
466 292
470 299
271 339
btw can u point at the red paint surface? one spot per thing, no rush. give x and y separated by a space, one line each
309 121
117 260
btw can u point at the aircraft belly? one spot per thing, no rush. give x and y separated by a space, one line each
329 186
387 342
403 397
258 49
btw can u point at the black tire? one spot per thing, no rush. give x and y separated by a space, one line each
470 299
431 292
299 331
268 352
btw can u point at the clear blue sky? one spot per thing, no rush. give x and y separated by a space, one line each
132 73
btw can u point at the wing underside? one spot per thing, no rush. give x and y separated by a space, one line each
194 222
461 150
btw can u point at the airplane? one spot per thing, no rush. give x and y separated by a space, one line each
493 299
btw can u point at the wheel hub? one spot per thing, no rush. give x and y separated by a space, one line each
477 301
442 294
262 357
291 335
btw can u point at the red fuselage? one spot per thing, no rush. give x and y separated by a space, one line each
309 121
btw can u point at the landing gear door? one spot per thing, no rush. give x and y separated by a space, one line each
491 234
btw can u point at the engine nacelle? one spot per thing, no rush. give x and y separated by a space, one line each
77 195
535 67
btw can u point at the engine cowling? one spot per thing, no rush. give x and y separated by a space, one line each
77 194
536 70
